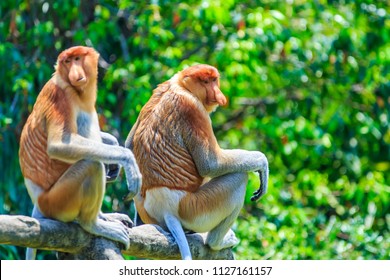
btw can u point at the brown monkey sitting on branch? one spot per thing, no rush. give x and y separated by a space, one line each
188 180
62 150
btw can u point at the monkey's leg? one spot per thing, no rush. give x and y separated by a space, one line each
78 195
214 208
222 236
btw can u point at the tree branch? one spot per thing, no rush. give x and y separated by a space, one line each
146 241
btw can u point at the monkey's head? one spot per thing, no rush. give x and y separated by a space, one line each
78 66
203 82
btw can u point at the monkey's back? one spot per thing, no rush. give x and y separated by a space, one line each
159 146
35 163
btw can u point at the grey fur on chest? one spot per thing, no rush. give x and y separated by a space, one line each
86 125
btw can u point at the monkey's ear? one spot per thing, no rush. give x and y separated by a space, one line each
61 58
184 81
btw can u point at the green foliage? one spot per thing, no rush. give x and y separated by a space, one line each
307 83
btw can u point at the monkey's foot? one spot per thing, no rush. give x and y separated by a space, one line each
230 240
114 230
112 217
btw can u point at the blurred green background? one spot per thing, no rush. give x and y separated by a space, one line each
307 83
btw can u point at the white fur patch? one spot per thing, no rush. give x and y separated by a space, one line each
33 190
160 201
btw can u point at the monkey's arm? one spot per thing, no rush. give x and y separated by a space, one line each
109 139
212 161
74 147
71 147
129 139
112 170
242 160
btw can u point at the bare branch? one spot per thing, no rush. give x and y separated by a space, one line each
151 241
146 241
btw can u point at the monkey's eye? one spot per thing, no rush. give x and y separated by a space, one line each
67 60
77 58
215 79
206 81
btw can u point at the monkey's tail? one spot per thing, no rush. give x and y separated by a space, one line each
31 253
177 231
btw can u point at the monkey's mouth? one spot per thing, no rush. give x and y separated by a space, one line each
212 102
79 82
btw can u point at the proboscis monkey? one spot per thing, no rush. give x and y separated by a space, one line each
188 180
63 152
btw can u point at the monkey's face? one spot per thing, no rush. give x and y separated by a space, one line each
203 82
77 66
76 74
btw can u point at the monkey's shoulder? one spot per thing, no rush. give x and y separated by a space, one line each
192 114
175 112
42 109
186 107
52 100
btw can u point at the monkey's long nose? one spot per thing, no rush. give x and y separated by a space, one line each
77 77
219 96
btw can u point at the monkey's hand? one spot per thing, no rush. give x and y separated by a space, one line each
112 172
133 176
112 169
263 175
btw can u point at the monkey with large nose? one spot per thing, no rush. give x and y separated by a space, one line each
188 180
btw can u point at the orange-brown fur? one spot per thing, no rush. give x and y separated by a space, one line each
53 105
62 149
163 158
139 204
189 181
201 202
36 165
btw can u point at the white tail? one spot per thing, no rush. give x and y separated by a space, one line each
177 231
